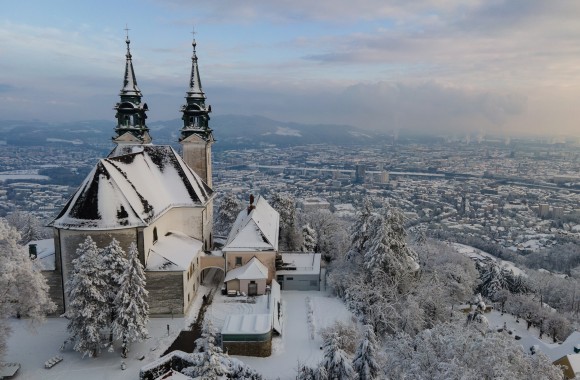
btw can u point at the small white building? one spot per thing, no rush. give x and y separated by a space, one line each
299 271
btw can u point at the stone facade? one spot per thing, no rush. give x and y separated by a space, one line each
197 155
259 349
166 293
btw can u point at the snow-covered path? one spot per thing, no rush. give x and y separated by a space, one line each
295 345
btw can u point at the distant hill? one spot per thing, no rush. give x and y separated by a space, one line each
231 131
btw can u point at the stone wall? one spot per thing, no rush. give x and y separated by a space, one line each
165 293
55 291
257 349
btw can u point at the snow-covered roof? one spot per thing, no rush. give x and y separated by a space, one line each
252 270
300 263
247 324
44 253
173 252
131 188
256 230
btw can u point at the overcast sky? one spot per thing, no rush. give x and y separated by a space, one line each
497 66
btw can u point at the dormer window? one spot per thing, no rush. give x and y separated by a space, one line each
154 235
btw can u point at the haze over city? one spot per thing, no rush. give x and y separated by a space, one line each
500 67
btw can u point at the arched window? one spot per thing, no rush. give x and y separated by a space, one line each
154 234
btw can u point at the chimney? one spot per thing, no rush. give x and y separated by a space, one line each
251 206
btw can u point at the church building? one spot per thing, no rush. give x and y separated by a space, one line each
150 195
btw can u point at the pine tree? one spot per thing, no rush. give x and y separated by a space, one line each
388 250
228 210
114 264
211 366
286 207
365 361
493 279
309 239
132 310
23 289
336 362
88 310
361 230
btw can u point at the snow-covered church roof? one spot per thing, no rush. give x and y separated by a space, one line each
131 188
255 229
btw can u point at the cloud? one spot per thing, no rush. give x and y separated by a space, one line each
4 87
427 106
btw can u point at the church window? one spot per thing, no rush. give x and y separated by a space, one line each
238 260
154 235
126 120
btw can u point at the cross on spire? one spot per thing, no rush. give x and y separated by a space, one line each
127 31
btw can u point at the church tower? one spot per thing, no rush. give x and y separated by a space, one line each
196 137
131 127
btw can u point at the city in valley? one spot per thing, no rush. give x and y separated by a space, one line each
520 195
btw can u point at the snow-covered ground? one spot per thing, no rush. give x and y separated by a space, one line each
531 338
33 348
479 254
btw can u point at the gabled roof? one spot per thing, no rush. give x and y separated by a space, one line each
133 189
256 230
253 270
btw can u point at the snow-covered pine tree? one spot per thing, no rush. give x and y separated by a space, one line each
88 311
517 284
365 358
211 366
361 230
114 264
23 289
228 209
493 279
285 204
131 308
336 362
387 250
309 239
306 373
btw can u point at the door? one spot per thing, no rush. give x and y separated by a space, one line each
252 288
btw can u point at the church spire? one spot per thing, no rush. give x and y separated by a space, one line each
129 82
196 136
131 113
195 90
195 112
